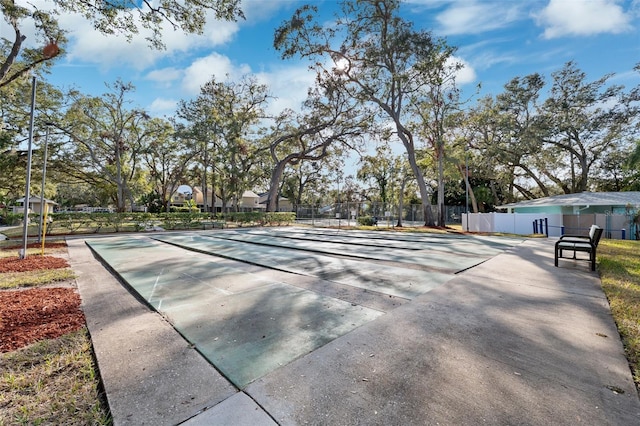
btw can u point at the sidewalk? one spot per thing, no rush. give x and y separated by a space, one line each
511 341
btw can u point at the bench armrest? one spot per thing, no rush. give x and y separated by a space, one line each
576 238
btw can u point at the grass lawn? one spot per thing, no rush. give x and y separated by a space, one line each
52 381
619 267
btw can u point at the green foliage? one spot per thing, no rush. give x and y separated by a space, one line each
182 220
12 219
280 218
367 221
70 222
619 267
258 218
184 209
222 120
142 221
243 218
387 73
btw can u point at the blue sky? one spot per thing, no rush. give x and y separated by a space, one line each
496 39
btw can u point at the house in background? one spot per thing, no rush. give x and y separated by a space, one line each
35 206
250 200
564 214
617 203
212 199
284 205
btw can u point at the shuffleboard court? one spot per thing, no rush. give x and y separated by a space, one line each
238 295
392 280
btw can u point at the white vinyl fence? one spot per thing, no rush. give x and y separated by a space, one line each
555 225
512 223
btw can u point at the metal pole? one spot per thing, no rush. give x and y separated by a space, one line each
44 174
466 182
27 195
338 206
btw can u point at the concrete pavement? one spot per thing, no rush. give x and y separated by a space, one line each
510 341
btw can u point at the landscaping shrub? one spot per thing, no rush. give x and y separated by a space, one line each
280 218
367 221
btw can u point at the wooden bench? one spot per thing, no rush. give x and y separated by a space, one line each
582 243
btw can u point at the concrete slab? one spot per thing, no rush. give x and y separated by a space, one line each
244 325
393 280
411 241
423 252
236 410
151 375
511 341
484 348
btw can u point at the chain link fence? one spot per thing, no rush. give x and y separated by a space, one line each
347 214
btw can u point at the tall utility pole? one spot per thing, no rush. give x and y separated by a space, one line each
44 175
27 194
466 182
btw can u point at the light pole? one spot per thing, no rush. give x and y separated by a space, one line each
27 194
44 174
466 182
338 206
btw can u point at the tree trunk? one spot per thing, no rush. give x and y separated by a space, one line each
440 158
401 202
407 141
274 184
205 189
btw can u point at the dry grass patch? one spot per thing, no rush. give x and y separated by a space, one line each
619 266
11 250
51 382
11 280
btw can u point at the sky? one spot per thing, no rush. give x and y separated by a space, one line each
496 40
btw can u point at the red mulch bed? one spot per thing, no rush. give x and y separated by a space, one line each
37 245
27 316
31 263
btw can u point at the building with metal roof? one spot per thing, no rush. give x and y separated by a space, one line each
580 203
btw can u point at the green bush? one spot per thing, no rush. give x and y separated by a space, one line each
184 220
280 218
71 222
142 221
242 218
13 219
367 221
176 209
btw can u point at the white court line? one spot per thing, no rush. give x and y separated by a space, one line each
153 289
221 290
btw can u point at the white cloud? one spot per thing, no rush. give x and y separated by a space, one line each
562 18
165 76
161 106
474 17
464 75
110 51
203 69
289 85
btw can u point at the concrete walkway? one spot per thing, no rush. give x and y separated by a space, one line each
513 340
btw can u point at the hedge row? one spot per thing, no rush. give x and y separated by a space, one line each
117 222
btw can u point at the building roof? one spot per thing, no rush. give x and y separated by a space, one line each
583 199
36 200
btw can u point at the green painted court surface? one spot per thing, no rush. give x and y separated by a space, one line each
252 300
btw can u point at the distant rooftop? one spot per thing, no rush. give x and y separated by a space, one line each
582 199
